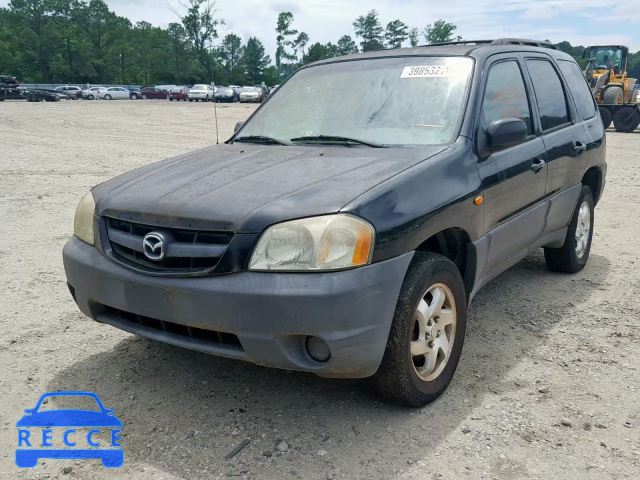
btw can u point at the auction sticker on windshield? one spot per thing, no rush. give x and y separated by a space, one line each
426 71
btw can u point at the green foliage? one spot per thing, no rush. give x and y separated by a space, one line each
346 46
414 37
255 61
440 32
82 41
368 28
318 51
396 34
284 39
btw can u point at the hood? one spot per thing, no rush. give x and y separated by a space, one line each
244 188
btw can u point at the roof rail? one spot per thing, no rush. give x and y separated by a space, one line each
498 41
460 42
524 41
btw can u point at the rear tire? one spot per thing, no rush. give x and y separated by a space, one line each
574 254
627 119
107 97
613 96
606 116
430 318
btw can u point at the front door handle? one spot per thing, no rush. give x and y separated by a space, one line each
579 148
537 165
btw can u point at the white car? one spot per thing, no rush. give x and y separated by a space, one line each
114 93
200 93
69 90
92 92
250 94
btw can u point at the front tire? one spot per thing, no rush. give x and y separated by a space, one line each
574 254
107 97
427 333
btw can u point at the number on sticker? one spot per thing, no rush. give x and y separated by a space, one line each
429 71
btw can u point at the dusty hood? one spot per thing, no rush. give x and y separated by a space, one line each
244 188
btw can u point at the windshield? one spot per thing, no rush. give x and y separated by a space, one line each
394 101
606 58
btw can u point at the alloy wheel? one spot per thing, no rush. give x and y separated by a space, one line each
433 332
583 229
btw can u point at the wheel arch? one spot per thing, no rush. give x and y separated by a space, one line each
593 179
455 244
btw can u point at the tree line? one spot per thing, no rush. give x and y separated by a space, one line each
83 41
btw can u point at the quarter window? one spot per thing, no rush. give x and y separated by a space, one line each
506 95
552 102
579 89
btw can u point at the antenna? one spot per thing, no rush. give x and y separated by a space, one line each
215 112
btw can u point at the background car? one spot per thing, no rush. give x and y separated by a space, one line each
250 94
264 90
201 93
149 92
91 92
225 94
178 94
113 93
73 91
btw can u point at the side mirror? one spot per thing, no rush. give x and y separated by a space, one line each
506 132
238 126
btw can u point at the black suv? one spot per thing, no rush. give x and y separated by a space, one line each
347 224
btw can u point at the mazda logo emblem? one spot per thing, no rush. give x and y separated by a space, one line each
153 246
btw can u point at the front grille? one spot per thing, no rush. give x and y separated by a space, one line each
190 251
208 336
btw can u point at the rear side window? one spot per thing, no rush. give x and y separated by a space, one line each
505 95
552 102
579 88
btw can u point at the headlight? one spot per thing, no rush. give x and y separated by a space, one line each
83 223
330 242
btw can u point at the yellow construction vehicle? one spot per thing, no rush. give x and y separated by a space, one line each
615 93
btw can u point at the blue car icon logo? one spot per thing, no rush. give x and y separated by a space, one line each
36 438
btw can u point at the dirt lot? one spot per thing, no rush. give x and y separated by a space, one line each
548 385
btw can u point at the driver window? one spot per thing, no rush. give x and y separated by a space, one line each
505 95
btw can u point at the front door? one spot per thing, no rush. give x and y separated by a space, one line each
514 178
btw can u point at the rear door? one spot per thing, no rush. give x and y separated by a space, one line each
563 132
121 93
513 178
565 137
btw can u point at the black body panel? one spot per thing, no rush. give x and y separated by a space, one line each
408 194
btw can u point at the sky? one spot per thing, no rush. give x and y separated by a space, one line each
581 22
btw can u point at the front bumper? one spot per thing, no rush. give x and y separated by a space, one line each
271 314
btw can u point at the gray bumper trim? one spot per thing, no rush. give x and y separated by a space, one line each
271 313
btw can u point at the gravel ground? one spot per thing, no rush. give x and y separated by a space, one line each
547 386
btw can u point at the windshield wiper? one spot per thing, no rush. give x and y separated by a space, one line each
259 139
337 138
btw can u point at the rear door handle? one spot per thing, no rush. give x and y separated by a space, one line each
537 165
579 148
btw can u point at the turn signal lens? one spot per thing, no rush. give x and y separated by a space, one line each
330 242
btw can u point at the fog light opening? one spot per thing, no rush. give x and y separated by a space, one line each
317 349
